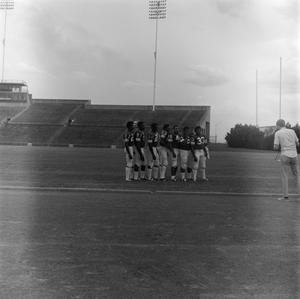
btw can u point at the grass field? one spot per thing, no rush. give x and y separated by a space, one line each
71 227
228 171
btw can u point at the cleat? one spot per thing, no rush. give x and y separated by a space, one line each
163 179
183 180
173 180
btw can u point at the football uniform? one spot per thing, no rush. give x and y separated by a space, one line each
199 143
184 150
174 159
128 149
152 156
165 143
139 161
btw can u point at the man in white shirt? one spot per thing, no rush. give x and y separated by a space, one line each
286 139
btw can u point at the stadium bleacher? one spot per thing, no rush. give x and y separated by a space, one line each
161 117
81 124
117 117
55 113
24 134
9 111
102 117
89 136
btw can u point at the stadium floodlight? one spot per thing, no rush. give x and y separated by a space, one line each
157 10
5 5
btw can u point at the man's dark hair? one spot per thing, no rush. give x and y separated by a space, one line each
140 124
129 124
280 123
154 126
166 126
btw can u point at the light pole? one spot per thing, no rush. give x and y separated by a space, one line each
157 10
280 80
5 4
256 102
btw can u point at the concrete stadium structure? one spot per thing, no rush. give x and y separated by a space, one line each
56 122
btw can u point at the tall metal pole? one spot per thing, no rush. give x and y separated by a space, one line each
157 10
280 80
4 38
216 135
256 104
5 4
155 63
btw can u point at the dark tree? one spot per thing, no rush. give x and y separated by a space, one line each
246 136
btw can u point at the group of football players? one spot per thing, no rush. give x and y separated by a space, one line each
148 155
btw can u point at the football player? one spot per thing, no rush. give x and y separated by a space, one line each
139 145
128 149
199 144
165 143
153 156
175 158
185 150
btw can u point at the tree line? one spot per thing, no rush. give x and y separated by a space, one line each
249 136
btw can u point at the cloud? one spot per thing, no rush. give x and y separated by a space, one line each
233 8
137 83
80 75
25 67
290 78
65 47
203 75
289 9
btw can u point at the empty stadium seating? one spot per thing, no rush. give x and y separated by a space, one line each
55 113
89 136
48 123
23 134
9 111
102 117
117 117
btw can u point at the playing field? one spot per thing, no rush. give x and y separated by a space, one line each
71 227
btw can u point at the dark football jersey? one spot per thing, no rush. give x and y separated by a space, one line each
139 138
163 138
153 138
176 140
185 143
199 142
128 138
170 139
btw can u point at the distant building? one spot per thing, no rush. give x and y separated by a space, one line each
14 92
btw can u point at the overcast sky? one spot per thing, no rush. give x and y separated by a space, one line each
208 53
